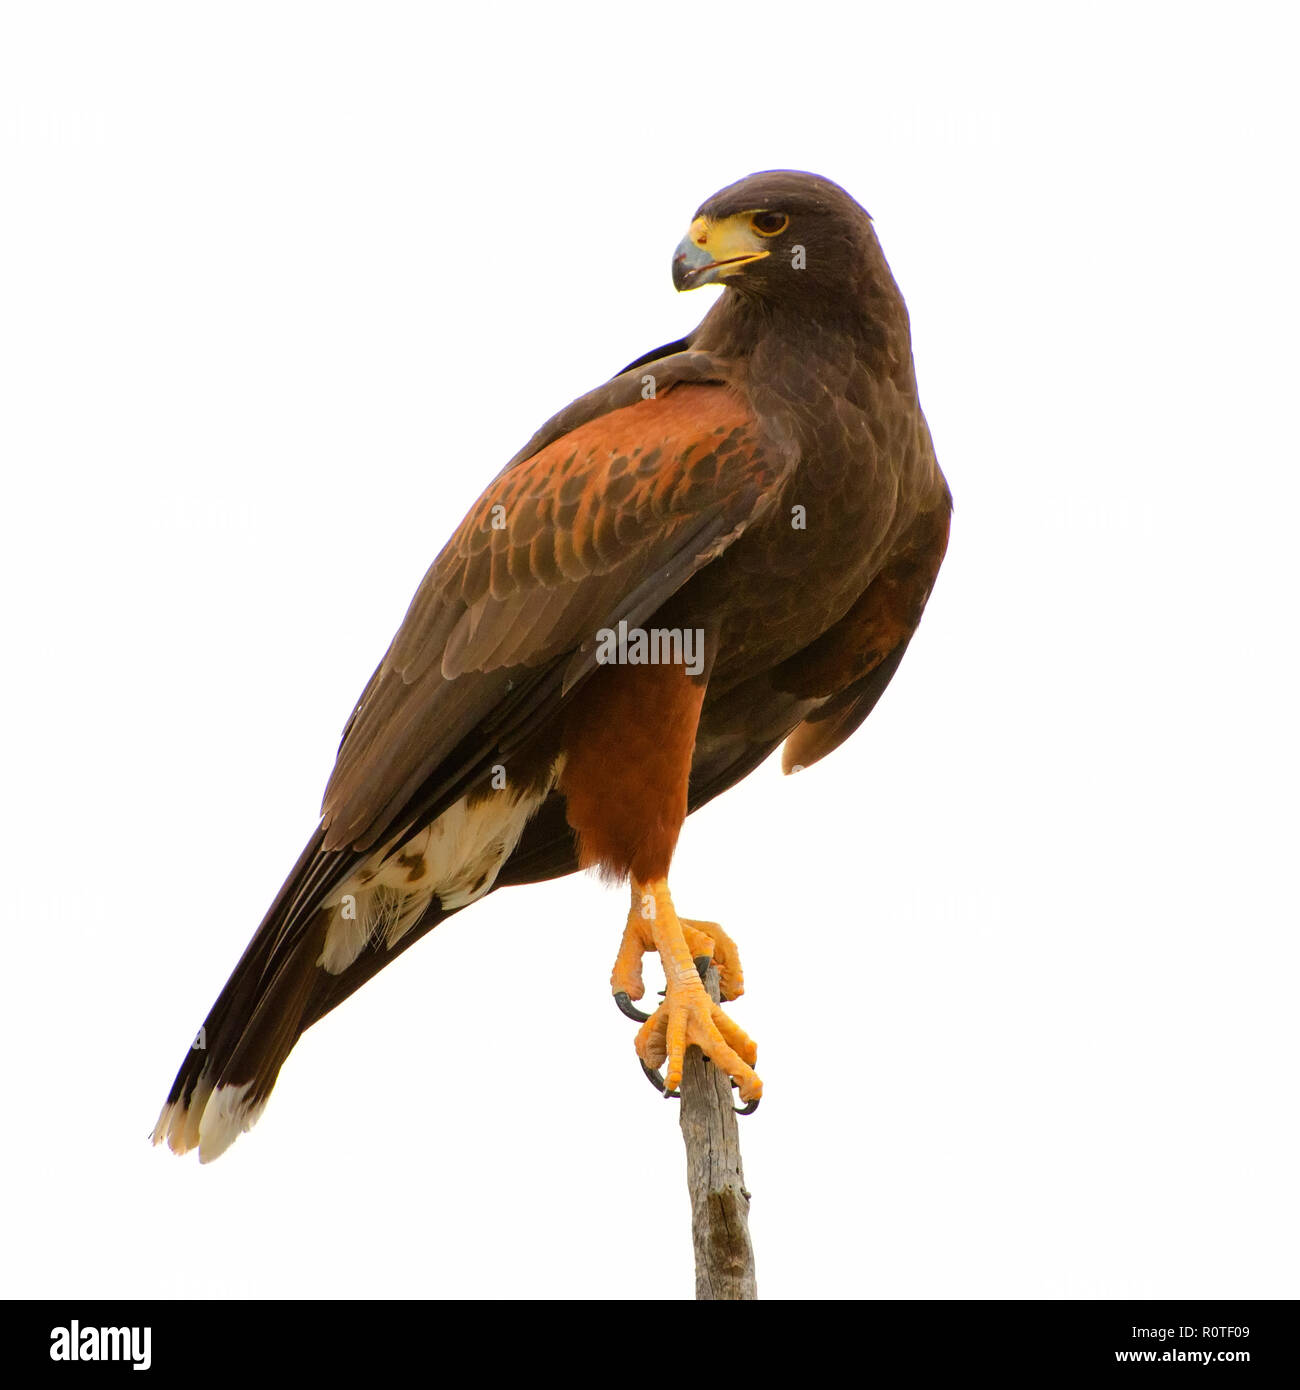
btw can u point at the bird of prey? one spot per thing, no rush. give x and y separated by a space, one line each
726 547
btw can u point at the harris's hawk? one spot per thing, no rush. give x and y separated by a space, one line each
725 547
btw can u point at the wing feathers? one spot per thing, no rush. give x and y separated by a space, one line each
603 523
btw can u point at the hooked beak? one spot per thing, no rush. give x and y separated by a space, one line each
712 251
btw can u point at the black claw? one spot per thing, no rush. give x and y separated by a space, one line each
657 1082
702 964
626 1006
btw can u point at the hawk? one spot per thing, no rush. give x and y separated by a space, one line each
726 547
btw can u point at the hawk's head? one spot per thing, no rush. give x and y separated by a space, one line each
779 235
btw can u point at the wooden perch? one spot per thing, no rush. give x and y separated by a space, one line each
724 1257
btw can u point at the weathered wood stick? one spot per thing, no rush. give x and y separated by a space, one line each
724 1256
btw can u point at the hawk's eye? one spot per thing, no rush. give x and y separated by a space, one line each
769 223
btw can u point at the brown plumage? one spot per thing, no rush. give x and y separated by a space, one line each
765 489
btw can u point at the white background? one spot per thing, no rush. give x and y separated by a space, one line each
284 285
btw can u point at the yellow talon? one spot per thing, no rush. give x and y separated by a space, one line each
687 1014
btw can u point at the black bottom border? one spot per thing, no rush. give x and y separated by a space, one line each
210 1339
